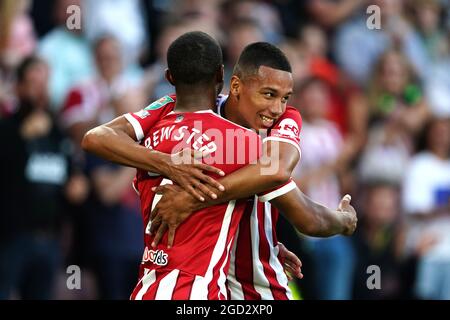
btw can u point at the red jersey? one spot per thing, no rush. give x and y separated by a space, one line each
196 266
256 271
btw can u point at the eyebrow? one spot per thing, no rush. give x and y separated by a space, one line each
275 90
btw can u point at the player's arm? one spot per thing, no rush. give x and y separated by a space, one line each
116 141
306 215
272 170
279 161
313 219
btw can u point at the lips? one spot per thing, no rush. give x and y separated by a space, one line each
267 121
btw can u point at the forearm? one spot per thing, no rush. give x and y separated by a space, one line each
309 217
117 146
271 171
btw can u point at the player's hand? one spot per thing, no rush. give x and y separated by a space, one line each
292 264
187 171
349 215
172 209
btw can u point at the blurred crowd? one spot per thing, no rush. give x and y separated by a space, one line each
376 124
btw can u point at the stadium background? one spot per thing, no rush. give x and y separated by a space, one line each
376 110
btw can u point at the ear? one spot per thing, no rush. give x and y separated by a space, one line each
169 77
235 86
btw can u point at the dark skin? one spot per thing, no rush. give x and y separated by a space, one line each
268 101
116 142
264 94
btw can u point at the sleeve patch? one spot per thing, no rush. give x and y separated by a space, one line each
288 128
159 103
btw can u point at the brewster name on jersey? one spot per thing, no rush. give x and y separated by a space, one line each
207 141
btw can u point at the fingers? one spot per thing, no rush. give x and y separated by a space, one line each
293 270
203 177
156 222
188 187
205 167
291 258
288 275
345 202
159 234
205 190
195 193
160 189
171 236
154 213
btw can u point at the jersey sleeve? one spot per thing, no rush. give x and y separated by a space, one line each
278 191
287 128
143 120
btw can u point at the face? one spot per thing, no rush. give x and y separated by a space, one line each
394 73
438 136
314 100
262 98
428 18
108 58
35 84
382 205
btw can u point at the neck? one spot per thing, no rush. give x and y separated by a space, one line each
230 111
195 98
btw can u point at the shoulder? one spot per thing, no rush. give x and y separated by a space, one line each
164 102
292 113
290 120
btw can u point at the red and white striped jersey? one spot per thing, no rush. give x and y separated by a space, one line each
196 266
256 270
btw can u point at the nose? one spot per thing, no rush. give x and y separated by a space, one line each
276 109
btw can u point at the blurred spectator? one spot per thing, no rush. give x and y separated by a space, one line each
35 177
263 14
155 83
331 13
112 229
318 175
121 18
397 112
377 241
299 60
437 87
241 33
40 15
99 99
17 36
68 54
17 41
426 15
395 31
384 157
348 107
426 200
395 94
205 15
